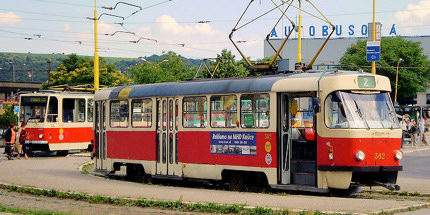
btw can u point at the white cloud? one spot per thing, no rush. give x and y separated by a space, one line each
104 28
66 27
9 18
168 25
199 38
414 15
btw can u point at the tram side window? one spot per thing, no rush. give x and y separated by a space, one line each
119 114
255 111
81 110
223 111
53 109
335 116
302 112
90 109
142 113
194 110
73 110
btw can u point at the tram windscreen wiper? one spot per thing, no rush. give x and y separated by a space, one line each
360 114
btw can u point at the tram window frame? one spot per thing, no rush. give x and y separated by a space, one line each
144 112
334 104
73 110
52 109
119 113
176 114
257 112
219 106
190 102
171 114
302 109
90 110
164 115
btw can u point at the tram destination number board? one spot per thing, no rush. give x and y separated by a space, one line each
366 82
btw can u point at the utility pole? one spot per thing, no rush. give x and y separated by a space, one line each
374 37
299 39
96 53
49 69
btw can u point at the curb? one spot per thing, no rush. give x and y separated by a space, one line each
411 150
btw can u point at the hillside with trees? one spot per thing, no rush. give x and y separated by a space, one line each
29 67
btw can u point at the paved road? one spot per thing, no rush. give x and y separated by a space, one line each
63 174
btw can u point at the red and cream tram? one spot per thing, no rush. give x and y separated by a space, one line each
298 131
57 121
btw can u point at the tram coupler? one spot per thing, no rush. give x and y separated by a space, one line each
387 185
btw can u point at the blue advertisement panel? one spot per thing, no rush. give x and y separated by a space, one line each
234 143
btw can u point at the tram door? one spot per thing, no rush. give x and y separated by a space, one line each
167 132
284 144
100 136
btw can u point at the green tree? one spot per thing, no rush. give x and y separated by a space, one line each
228 66
80 70
7 118
169 69
414 68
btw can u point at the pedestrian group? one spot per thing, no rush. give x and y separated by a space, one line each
15 141
416 130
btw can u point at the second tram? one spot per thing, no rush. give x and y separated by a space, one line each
299 131
57 121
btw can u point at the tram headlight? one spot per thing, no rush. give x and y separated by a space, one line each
398 155
40 136
360 155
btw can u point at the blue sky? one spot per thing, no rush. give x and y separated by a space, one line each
60 26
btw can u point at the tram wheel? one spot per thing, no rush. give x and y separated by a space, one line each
135 173
237 182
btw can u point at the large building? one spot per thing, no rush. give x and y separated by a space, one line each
332 52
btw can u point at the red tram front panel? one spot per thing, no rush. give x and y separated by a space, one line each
378 151
60 135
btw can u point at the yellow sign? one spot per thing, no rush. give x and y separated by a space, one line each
268 146
61 131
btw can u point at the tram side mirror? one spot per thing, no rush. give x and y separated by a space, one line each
317 104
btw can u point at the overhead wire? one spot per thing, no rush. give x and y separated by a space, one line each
143 8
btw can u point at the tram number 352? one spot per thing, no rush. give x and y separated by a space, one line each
379 156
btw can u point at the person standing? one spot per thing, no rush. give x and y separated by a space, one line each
22 134
423 130
404 127
414 133
10 139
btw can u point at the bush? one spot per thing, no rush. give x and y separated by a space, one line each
7 118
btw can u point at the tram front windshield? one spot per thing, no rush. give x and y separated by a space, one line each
33 108
358 110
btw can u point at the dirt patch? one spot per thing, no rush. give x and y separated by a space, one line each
30 202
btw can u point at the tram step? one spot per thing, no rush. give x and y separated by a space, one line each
305 166
303 178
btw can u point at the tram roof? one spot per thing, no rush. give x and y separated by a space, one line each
211 86
55 92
